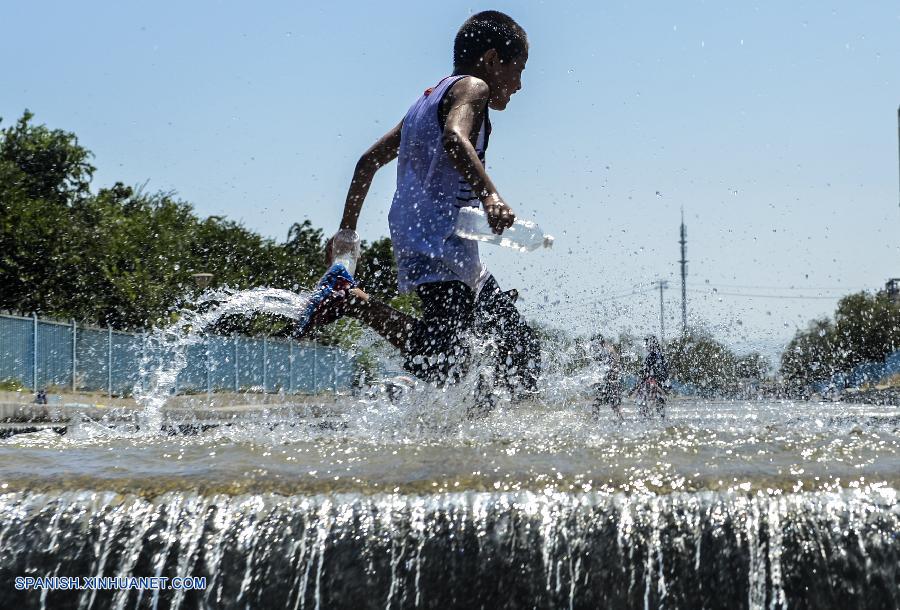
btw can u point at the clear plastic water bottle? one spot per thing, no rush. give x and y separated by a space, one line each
345 249
523 235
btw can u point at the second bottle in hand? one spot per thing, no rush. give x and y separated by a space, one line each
523 235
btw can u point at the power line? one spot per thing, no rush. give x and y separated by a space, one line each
662 284
585 304
782 287
683 262
709 290
573 304
766 296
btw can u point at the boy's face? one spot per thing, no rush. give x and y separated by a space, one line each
505 78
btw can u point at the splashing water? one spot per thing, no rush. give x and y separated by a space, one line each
396 498
422 406
543 550
165 351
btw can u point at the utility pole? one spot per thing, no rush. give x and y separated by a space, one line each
898 133
683 261
662 325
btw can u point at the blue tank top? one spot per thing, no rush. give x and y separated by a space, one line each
429 193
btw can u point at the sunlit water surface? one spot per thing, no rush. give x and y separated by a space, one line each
405 501
373 446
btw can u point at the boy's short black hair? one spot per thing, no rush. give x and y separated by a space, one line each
488 30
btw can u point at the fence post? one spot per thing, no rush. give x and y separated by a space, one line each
234 337
74 358
109 361
290 367
265 362
208 369
315 369
34 375
143 360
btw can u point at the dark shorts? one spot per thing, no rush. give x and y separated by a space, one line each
439 351
518 359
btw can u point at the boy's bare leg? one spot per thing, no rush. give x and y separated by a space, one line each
393 325
432 347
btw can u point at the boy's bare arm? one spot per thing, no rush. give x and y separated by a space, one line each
468 100
380 154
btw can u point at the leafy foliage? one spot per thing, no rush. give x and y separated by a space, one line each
866 328
376 271
124 257
702 362
46 164
709 366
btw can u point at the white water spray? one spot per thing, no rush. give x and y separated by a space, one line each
164 354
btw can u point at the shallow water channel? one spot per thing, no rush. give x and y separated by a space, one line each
374 504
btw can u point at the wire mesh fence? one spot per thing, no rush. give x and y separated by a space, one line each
51 354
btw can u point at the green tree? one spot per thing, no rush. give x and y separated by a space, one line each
48 164
44 176
699 360
125 257
752 366
866 328
812 355
377 271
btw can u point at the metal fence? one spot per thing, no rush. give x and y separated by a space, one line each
42 354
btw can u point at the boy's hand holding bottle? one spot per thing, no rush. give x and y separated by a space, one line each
497 224
499 215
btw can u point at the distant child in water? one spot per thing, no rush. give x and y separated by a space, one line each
440 145
655 367
609 389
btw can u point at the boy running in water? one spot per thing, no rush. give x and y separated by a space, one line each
441 143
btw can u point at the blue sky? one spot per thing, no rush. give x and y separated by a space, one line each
774 125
